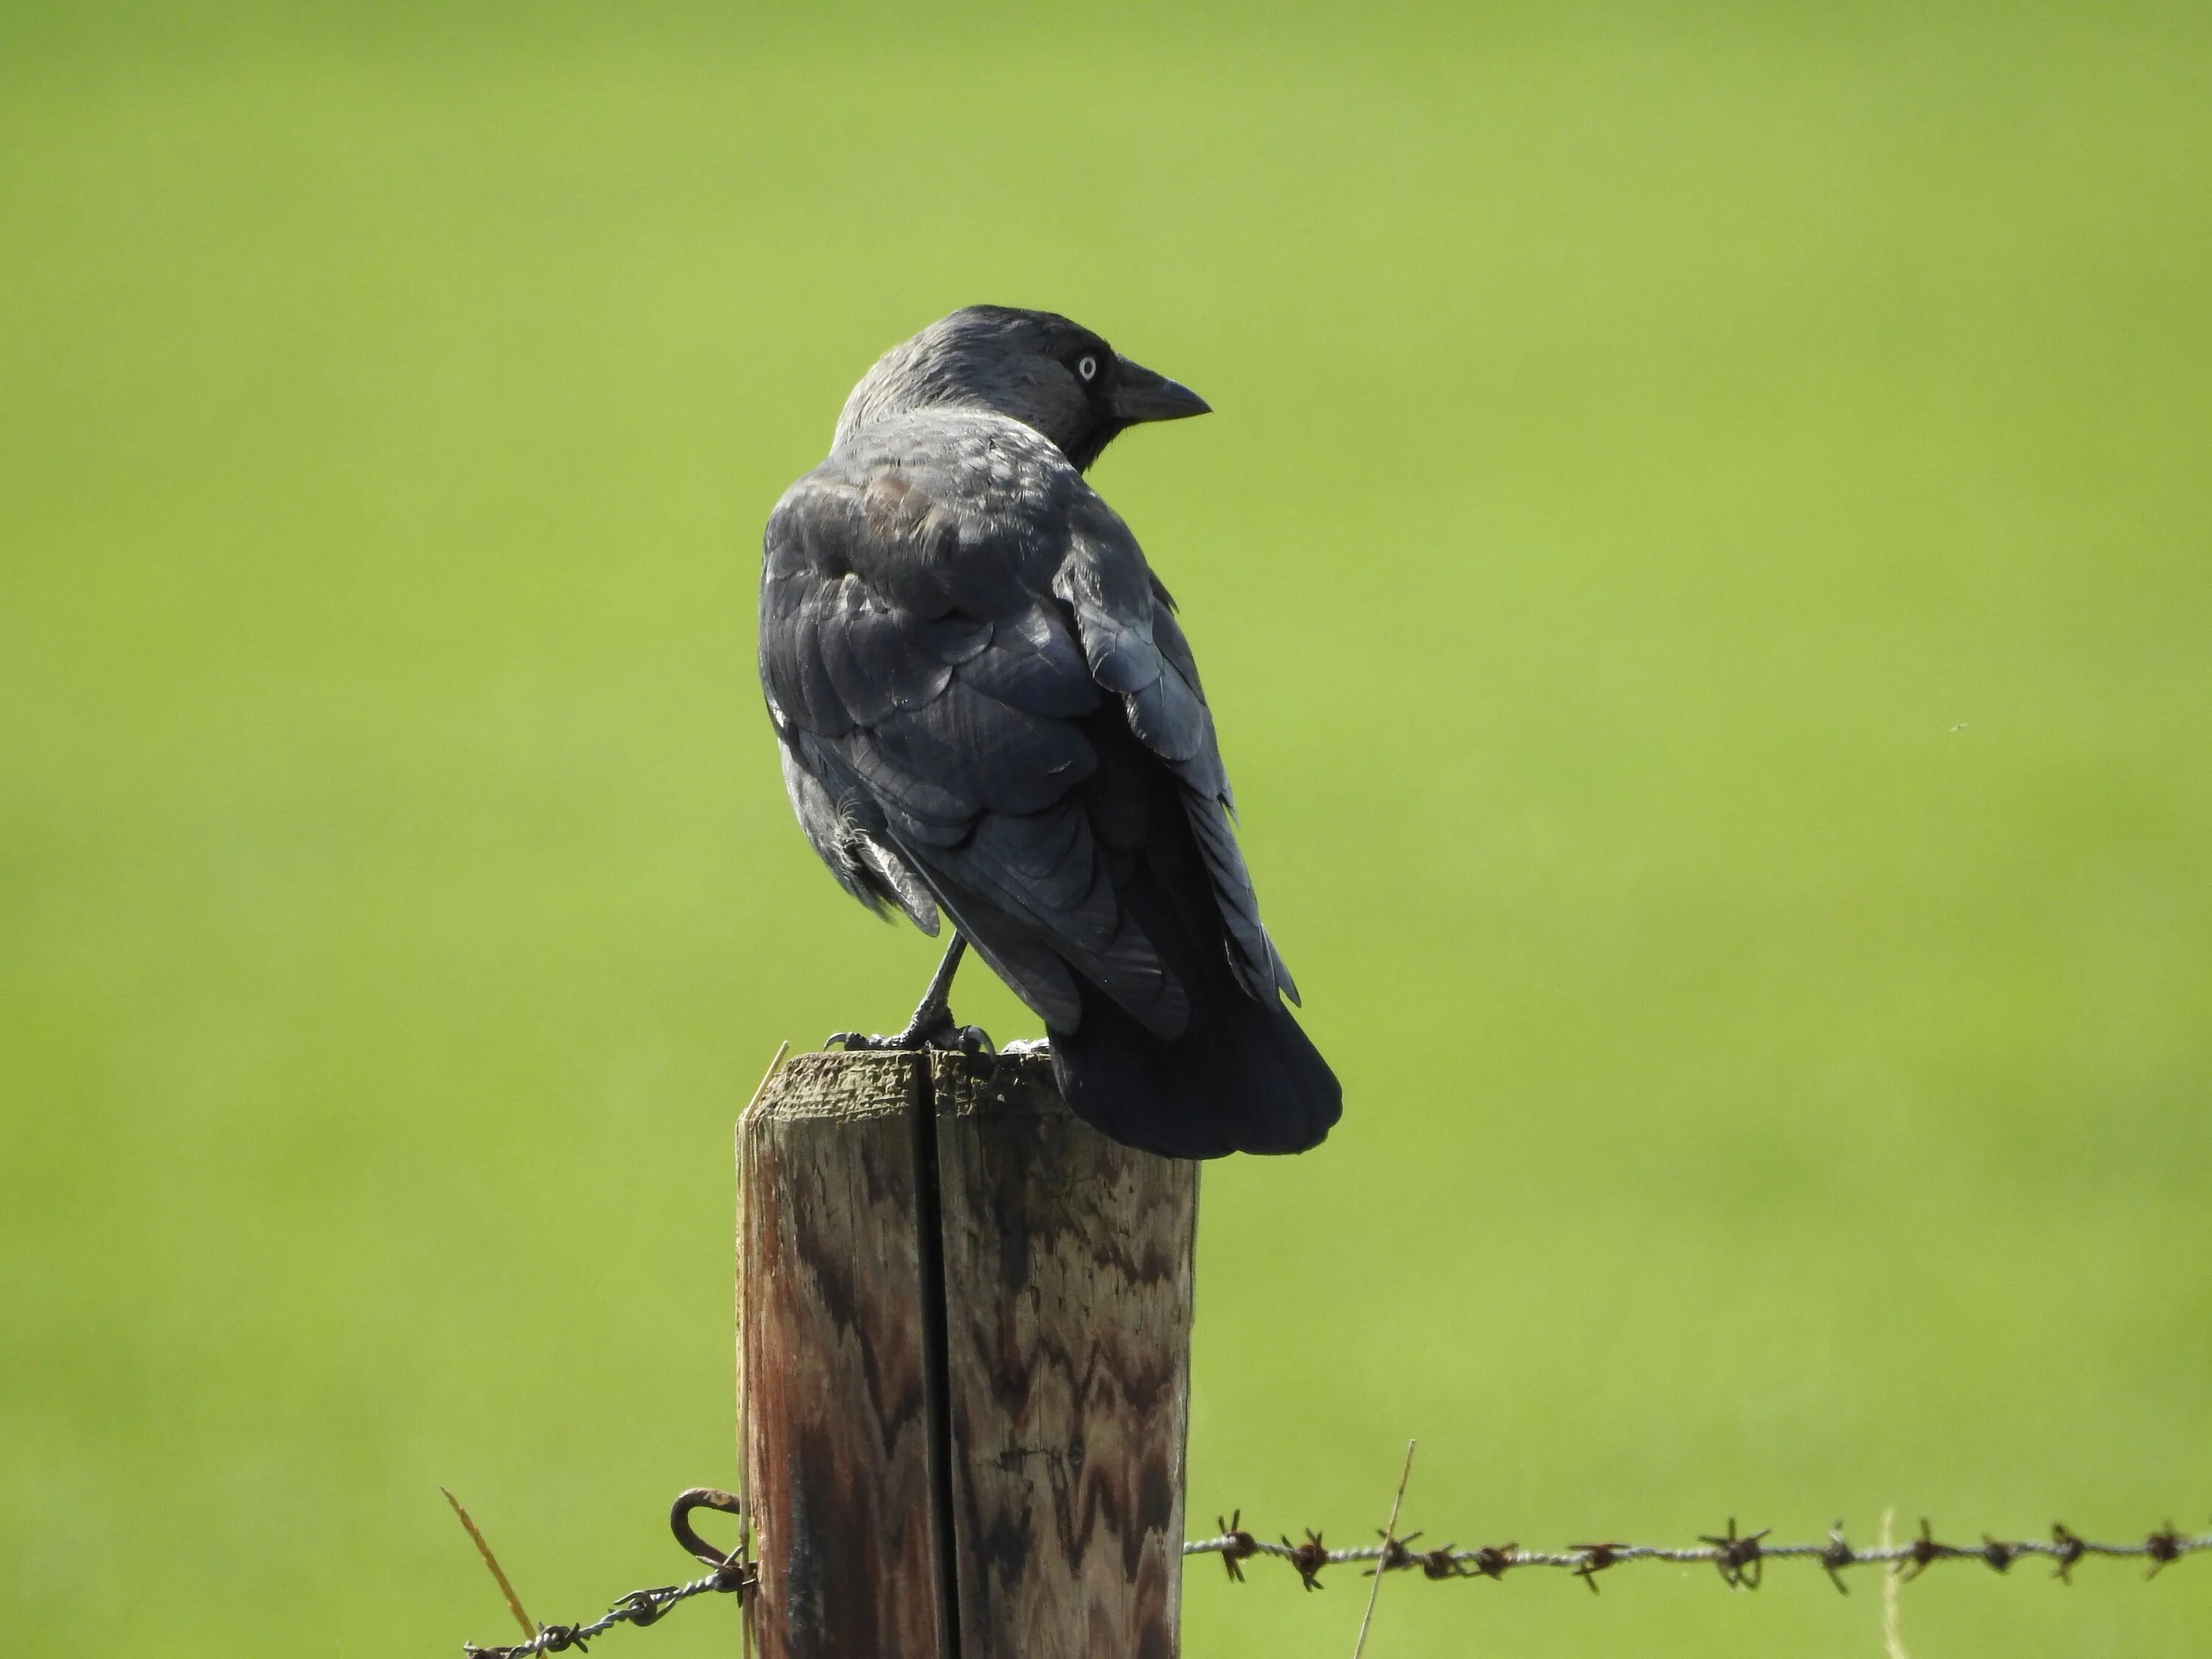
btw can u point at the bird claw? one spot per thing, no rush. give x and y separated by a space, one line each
959 1039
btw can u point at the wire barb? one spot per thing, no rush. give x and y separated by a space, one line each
1595 1559
1836 1557
1740 1563
1238 1544
1308 1558
2070 1549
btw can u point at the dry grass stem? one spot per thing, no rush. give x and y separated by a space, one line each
1893 1600
498 1572
1389 1537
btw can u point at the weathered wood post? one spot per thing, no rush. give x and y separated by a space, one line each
965 1366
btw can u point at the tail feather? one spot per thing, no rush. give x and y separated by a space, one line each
1242 1078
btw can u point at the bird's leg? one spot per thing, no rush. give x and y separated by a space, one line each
934 1017
932 1026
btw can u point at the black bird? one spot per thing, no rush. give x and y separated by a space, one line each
987 709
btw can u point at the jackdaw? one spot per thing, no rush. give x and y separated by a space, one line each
987 710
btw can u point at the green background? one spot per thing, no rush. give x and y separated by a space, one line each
1702 567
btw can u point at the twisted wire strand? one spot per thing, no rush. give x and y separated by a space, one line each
638 1607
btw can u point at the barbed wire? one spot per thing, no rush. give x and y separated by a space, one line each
1739 1558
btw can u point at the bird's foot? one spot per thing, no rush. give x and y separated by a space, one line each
932 1026
1028 1046
944 1033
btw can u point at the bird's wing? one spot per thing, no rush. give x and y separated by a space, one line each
1126 624
930 691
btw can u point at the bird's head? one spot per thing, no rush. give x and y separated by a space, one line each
1037 368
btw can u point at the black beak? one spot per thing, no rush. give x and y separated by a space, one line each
1140 394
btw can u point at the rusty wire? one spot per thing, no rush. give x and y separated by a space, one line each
1739 1558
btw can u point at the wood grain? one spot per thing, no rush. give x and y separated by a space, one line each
1068 1270
836 1467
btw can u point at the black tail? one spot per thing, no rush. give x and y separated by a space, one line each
1242 1077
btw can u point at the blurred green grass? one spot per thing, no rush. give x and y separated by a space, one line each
1702 564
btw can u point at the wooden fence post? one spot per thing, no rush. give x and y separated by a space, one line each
965 1366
